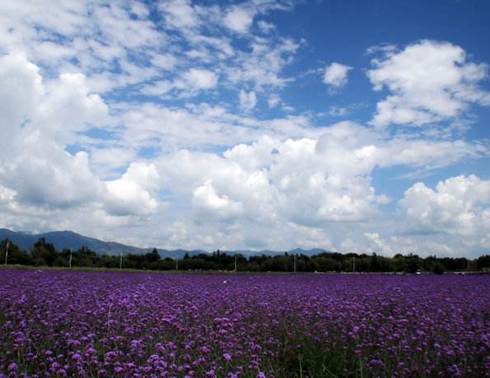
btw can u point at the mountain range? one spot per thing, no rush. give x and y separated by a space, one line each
72 240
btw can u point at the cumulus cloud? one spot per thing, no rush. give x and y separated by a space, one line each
273 175
47 176
308 181
458 205
335 75
68 95
207 202
36 113
42 116
29 100
21 89
82 149
134 193
428 81
321 182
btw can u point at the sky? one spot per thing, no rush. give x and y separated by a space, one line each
345 125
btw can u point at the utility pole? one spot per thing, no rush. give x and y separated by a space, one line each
120 260
236 269
7 245
71 258
354 264
294 263
177 263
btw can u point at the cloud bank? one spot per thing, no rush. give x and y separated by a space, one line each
171 125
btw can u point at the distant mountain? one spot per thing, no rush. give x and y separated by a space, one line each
308 252
72 240
268 252
173 253
67 239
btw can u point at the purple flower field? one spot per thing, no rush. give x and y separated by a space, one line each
111 324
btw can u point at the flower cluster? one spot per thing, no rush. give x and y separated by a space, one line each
112 324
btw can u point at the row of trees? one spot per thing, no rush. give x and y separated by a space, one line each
44 253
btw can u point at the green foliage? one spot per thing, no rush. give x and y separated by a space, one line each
44 254
15 255
483 262
438 268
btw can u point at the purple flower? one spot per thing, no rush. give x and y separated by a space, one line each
111 323
376 362
227 356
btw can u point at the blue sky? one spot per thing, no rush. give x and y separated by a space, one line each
352 126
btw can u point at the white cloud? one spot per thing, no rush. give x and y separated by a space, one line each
266 27
239 18
120 45
248 100
41 117
164 61
307 181
81 149
38 113
288 176
335 75
202 126
337 111
21 89
66 96
48 176
263 66
179 13
208 203
459 205
190 83
134 192
300 185
96 39
158 88
273 100
201 78
377 241
428 81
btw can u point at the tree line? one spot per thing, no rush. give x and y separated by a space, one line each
44 253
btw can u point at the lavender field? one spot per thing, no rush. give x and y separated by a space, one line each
116 324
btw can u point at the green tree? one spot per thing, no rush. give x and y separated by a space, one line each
483 262
43 253
15 254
